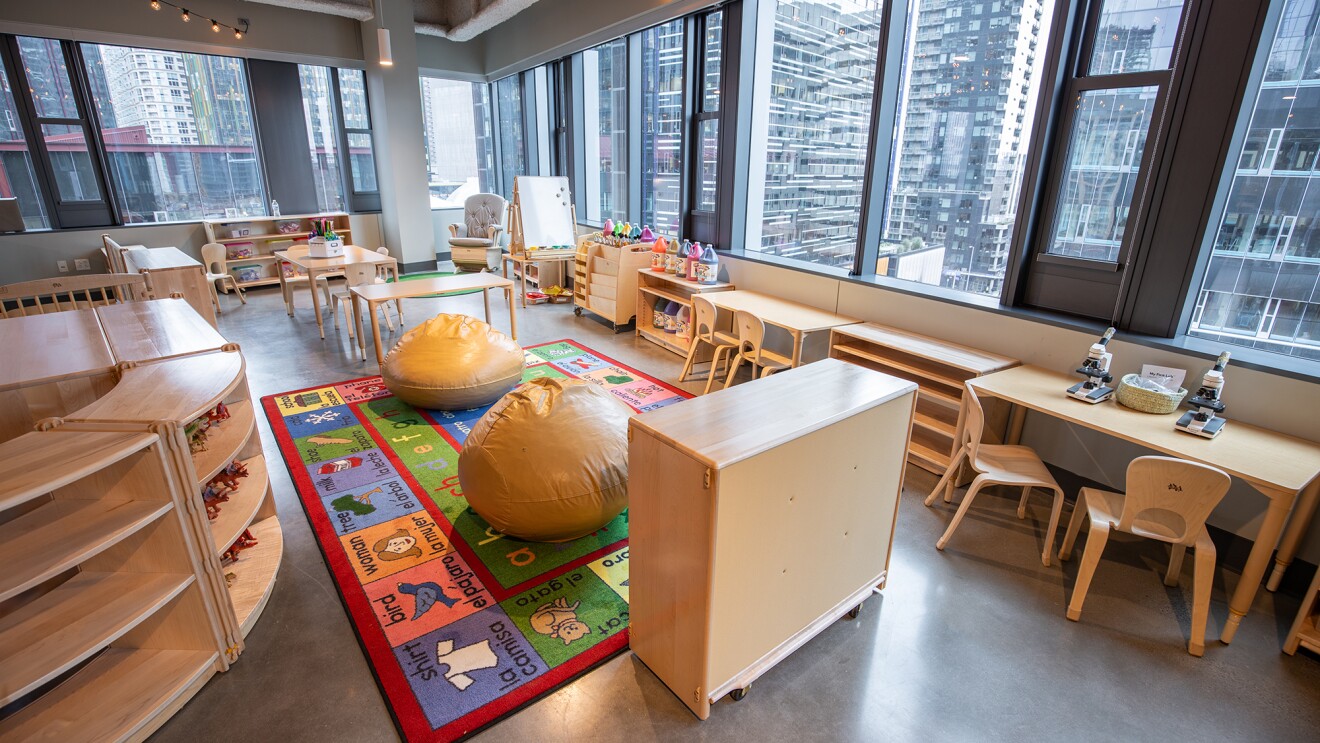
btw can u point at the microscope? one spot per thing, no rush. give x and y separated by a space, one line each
1095 367
1203 419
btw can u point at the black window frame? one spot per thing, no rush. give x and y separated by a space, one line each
358 201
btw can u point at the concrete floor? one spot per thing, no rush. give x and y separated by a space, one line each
966 644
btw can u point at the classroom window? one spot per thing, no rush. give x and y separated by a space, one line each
459 154
708 113
967 106
18 179
322 139
513 148
662 125
357 128
196 159
605 131
811 106
1262 282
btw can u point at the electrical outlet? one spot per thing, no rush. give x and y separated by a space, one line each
63 266
82 264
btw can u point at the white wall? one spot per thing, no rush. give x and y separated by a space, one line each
1280 403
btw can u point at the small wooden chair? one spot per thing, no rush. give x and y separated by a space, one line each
704 331
1167 500
997 464
71 293
355 274
213 255
751 340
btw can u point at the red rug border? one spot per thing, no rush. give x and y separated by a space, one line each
400 699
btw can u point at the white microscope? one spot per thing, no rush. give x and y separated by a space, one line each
1203 419
1095 367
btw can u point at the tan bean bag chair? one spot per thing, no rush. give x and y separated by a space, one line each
549 462
453 362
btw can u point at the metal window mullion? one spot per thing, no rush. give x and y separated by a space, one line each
497 137
634 135
692 50
884 111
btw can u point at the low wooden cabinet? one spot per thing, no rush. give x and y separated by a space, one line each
939 368
758 516
171 271
653 287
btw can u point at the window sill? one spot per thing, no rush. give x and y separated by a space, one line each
1248 358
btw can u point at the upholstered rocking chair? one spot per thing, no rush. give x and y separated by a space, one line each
474 245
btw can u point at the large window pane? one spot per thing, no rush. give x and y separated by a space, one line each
178 133
52 93
812 109
709 141
1135 36
605 135
353 97
1262 283
662 125
969 94
322 139
18 180
1101 171
710 72
459 157
362 159
75 179
513 150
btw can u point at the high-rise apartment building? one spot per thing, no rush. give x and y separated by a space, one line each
149 88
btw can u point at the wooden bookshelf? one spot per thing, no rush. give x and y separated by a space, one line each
939 369
652 286
265 238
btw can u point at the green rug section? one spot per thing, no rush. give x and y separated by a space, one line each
432 275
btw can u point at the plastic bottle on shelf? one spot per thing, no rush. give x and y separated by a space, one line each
274 208
658 316
708 269
659 254
691 254
608 229
673 259
647 235
684 323
671 317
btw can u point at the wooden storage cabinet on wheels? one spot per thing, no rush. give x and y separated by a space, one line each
758 516
606 280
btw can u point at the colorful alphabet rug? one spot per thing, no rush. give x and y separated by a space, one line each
461 624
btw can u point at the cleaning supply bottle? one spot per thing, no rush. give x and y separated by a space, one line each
673 259
658 316
659 253
708 269
691 254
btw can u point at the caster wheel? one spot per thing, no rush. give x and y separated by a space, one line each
853 612
737 695
577 311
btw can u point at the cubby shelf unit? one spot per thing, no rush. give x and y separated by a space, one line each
266 238
654 285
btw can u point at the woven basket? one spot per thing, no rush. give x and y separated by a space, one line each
1148 401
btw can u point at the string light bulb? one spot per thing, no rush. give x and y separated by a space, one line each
155 4
186 18
185 15
238 34
215 26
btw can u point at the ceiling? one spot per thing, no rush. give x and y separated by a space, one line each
457 20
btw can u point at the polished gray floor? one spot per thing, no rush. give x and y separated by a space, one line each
966 644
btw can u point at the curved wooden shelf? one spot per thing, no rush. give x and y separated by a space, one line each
37 463
54 633
122 695
237 512
177 389
255 572
41 544
223 446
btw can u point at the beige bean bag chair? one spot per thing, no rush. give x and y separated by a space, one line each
453 362
549 462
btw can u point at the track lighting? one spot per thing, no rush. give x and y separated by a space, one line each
186 16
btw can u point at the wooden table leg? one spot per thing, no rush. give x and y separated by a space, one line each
375 332
1257 561
797 348
316 303
357 324
1015 421
513 319
485 299
284 288
1302 515
523 278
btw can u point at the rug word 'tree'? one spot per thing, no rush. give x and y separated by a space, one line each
461 624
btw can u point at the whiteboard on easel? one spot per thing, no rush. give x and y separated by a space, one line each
545 205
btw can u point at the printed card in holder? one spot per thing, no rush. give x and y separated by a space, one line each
1167 377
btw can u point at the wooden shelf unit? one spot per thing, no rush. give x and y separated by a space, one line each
1305 631
265 239
605 280
100 566
938 368
652 285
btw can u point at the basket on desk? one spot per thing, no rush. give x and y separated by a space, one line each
1148 401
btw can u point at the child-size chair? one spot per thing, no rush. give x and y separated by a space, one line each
704 330
1167 500
751 348
997 464
355 274
213 258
